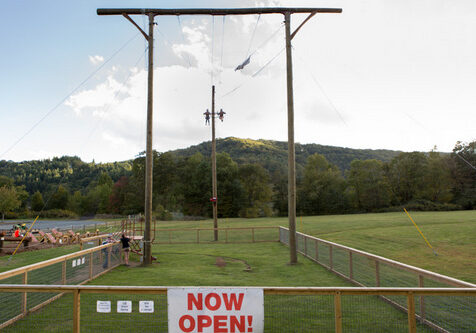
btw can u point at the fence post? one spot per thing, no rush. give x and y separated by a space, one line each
331 261
109 257
226 235
317 250
351 266
411 312
253 234
170 241
377 273
24 296
91 265
305 246
63 272
198 236
338 312
76 310
422 298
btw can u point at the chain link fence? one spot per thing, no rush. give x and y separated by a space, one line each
77 268
122 309
368 270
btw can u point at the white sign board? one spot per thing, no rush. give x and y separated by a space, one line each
73 263
146 306
124 306
103 306
83 260
78 262
215 310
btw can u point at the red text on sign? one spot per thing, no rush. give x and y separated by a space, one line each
220 324
213 301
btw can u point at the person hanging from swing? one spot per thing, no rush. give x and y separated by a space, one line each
207 117
221 114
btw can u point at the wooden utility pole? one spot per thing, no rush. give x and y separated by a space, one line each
287 12
214 171
147 254
147 259
291 152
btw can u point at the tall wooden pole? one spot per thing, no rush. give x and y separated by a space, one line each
214 169
147 259
291 152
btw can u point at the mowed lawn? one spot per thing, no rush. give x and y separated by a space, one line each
391 235
258 264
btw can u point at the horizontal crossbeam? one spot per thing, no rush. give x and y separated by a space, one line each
213 11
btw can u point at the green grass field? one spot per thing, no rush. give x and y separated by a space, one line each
263 264
392 235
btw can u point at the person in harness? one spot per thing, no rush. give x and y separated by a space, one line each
207 117
221 114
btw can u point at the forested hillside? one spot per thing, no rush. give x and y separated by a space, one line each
252 181
273 155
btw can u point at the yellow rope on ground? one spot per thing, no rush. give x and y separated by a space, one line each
421 233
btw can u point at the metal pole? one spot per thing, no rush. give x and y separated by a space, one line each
214 169
149 157
291 152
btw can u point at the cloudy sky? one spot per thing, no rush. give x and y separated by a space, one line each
383 74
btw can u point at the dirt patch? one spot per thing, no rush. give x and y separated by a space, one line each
220 262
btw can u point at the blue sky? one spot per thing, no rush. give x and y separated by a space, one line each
384 74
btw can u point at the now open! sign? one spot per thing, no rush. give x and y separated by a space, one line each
221 310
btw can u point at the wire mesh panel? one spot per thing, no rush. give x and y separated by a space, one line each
49 275
452 313
11 304
364 270
324 254
77 270
340 261
371 314
295 313
123 313
225 235
55 317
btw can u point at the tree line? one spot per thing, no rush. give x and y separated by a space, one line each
182 186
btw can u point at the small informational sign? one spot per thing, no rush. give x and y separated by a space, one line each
73 263
124 306
215 310
103 306
78 262
83 260
146 306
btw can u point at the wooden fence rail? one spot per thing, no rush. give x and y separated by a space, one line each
337 293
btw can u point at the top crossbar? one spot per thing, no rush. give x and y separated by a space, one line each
213 11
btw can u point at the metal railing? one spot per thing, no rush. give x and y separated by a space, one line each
287 309
225 235
76 268
368 270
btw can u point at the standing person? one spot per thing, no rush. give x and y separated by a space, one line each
105 251
126 248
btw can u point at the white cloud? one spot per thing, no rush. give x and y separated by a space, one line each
388 90
97 59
